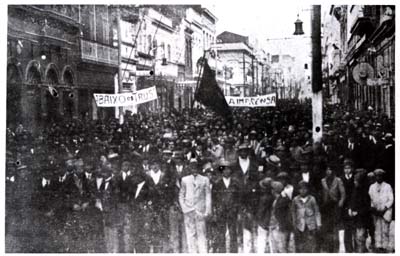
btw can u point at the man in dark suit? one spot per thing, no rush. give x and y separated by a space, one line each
123 183
177 234
245 170
225 193
140 205
76 199
47 204
158 184
348 221
307 176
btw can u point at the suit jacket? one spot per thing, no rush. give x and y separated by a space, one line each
158 193
175 180
305 214
360 202
281 212
334 192
250 190
348 185
226 200
123 187
45 195
263 214
195 194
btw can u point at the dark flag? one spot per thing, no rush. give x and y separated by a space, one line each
210 95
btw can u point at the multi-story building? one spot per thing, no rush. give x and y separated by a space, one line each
285 79
237 56
58 56
363 65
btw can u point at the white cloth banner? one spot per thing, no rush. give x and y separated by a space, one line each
268 100
126 99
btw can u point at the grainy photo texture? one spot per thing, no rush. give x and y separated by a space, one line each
198 129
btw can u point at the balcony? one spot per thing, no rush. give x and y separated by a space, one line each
362 23
98 53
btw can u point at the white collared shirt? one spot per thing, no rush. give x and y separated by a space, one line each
139 188
155 176
304 199
98 182
227 181
351 145
124 175
288 191
244 164
45 182
306 176
348 176
179 168
88 175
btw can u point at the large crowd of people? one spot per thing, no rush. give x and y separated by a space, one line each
194 182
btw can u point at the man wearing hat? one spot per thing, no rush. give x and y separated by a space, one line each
159 185
387 159
359 209
225 194
245 170
381 195
177 171
122 182
195 201
272 165
46 203
77 201
333 197
348 223
141 211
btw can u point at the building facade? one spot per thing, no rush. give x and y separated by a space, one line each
237 57
362 66
58 56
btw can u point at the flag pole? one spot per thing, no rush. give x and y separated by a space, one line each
198 79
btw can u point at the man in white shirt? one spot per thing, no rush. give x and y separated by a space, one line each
381 194
195 201
177 234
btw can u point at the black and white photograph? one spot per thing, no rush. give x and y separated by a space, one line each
215 127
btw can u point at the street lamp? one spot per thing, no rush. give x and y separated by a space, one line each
298 27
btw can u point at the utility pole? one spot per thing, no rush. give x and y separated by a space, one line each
121 110
316 76
244 75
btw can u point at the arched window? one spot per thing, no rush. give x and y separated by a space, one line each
52 77
68 78
34 76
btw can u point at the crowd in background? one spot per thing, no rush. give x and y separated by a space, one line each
194 182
